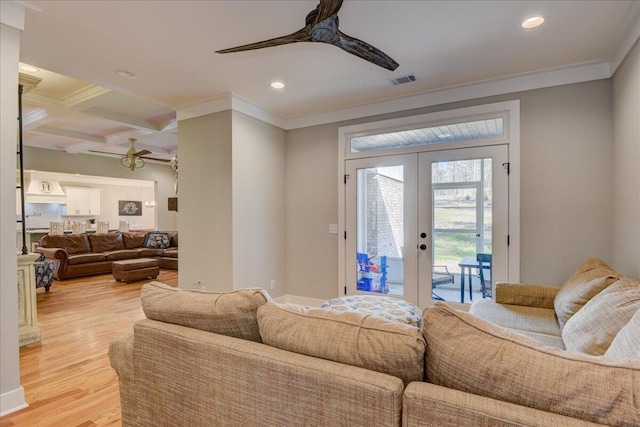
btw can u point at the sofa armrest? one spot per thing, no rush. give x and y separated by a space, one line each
541 296
426 404
121 357
53 253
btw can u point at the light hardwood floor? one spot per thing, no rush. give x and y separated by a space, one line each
67 377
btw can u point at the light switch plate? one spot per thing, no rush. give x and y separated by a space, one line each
333 228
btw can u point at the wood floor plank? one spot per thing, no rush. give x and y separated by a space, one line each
67 377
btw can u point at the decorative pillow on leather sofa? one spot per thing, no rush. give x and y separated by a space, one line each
592 329
351 338
626 344
592 277
472 355
157 240
231 313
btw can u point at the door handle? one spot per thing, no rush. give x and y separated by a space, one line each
423 247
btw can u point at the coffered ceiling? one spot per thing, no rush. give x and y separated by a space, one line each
83 106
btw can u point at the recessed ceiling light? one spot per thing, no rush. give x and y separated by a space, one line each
532 22
444 135
277 85
126 74
29 68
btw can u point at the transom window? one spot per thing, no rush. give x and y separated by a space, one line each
446 133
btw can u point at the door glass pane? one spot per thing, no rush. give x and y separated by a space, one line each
380 229
461 228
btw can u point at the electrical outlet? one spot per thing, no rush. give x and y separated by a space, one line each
273 284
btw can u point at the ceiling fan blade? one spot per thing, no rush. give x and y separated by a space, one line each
365 51
326 8
303 35
142 153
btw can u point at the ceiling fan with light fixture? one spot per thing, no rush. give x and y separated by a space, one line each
322 26
133 159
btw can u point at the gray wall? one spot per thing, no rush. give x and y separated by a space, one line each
206 235
58 161
566 180
232 196
10 389
626 180
258 204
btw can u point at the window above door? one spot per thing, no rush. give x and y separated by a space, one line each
446 132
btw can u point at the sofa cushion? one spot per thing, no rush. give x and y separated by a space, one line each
626 344
76 259
592 329
232 313
171 253
103 242
174 238
347 337
133 239
121 254
592 277
156 240
150 253
472 355
520 317
72 243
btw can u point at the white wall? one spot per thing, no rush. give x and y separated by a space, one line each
566 180
258 204
11 393
626 180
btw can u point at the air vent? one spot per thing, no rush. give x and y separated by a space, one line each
402 80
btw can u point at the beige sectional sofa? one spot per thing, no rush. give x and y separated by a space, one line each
239 359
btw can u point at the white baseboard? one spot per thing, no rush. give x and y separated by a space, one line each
292 299
12 401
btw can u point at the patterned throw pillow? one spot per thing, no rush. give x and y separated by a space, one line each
157 240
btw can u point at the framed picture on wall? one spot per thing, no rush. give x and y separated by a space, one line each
129 208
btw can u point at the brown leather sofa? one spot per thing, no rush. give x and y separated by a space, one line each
77 255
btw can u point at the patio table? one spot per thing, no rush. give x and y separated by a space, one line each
467 263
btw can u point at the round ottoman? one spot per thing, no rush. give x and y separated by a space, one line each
388 308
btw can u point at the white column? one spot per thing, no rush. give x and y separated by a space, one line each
11 393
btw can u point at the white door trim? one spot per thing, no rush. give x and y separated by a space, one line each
511 111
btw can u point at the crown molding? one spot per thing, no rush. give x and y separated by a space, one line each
75 98
461 93
12 16
229 101
556 77
630 38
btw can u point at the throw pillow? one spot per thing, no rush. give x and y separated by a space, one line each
626 344
469 354
347 337
231 313
157 240
592 329
592 277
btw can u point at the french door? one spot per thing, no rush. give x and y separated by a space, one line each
414 220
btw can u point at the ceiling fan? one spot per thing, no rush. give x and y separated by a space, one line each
322 26
133 160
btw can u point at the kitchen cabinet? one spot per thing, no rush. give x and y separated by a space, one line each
83 201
